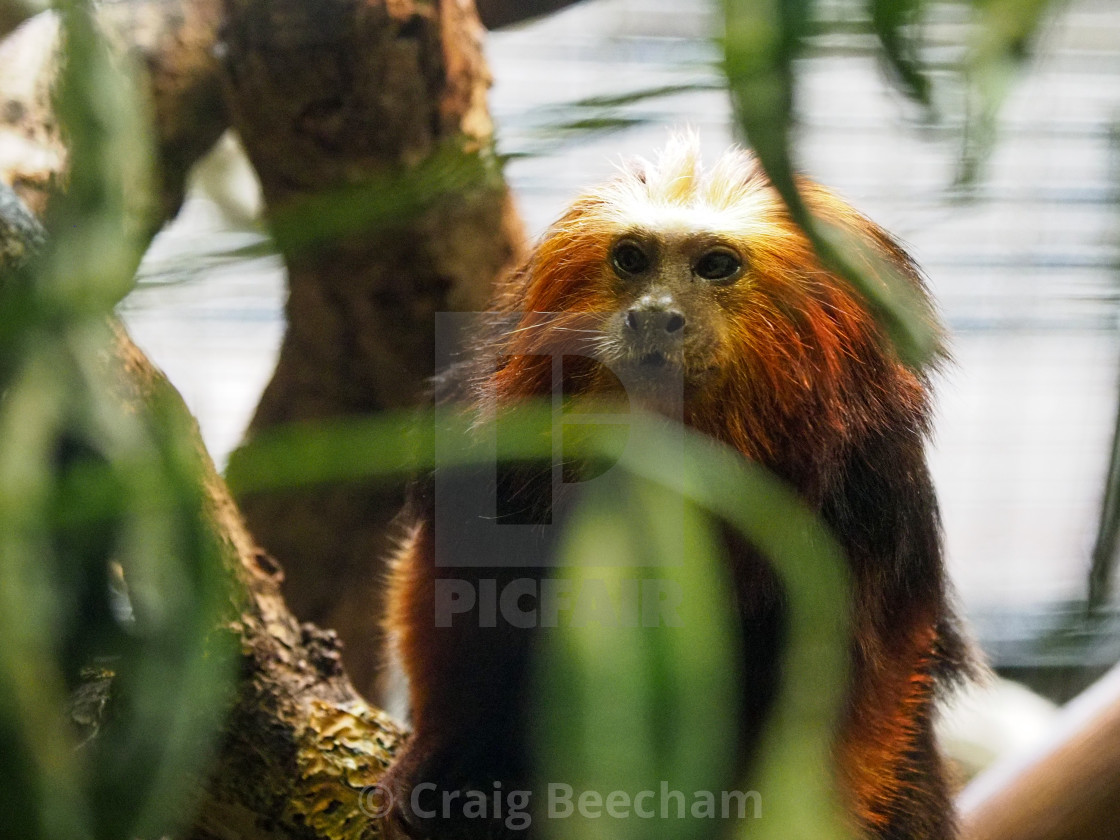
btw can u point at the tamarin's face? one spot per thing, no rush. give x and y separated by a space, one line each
670 295
657 274
674 275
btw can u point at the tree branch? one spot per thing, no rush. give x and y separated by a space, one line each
496 14
367 124
300 746
172 44
1065 790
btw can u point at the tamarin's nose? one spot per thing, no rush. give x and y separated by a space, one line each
654 316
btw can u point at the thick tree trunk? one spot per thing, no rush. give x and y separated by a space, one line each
301 746
337 96
328 95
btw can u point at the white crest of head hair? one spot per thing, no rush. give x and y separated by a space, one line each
676 194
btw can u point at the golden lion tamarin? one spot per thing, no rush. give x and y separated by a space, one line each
670 273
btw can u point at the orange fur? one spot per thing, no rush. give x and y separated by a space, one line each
784 363
797 345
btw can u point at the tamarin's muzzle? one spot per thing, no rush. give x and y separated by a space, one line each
655 329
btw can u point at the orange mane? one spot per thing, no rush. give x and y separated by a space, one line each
803 364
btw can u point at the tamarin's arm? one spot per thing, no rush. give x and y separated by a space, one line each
467 670
905 639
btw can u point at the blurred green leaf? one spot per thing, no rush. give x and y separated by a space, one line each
385 202
762 40
384 446
39 763
668 475
896 23
100 226
630 698
1001 37
792 775
631 97
125 574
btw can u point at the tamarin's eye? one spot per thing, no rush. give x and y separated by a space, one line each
629 258
718 264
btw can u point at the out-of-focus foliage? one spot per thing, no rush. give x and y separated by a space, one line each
633 709
1001 40
548 129
383 202
1108 530
110 583
625 708
106 562
762 42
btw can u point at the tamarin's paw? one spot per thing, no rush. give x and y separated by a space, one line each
447 795
402 819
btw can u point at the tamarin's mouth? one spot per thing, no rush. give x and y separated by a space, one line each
653 360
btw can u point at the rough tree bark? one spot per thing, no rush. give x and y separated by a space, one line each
173 43
300 746
327 94
331 95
